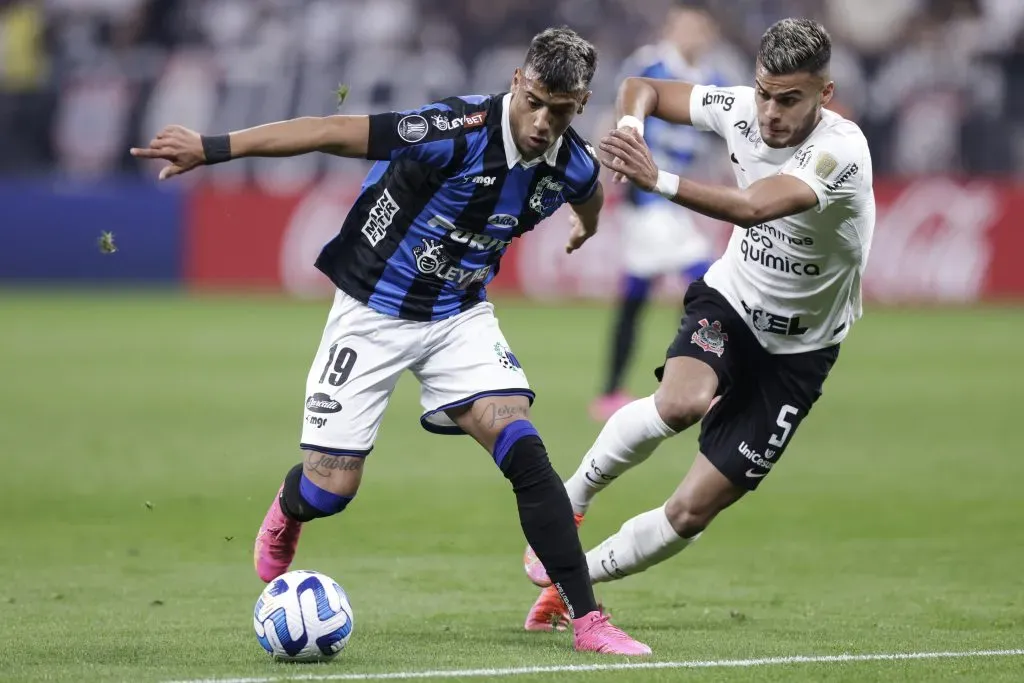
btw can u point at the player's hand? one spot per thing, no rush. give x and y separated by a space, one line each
626 153
176 144
617 177
578 233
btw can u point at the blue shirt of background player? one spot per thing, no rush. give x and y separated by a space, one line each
437 211
674 147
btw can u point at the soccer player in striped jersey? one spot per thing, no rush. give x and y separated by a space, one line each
455 181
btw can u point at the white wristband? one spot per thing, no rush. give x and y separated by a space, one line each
667 185
632 122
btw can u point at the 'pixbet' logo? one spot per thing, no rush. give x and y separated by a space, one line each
718 97
710 337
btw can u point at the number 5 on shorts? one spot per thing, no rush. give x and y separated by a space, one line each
787 427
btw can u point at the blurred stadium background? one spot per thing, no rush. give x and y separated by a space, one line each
151 398
937 85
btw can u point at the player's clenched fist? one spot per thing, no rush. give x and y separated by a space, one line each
176 144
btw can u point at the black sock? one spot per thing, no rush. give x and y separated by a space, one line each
293 504
623 340
545 515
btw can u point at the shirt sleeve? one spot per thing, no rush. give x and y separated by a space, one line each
833 166
716 109
426 134
581 174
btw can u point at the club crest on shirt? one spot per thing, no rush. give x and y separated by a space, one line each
710 337
545 196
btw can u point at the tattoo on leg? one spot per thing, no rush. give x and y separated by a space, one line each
324 464
493 413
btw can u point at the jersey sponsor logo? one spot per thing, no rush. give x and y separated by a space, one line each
503 220
381 216
763 461
710 337
478 241
431 259
315 421
412 128
847 173
429 256
770 232
718 97
766 321
824 165
322 403
546 196
485 180
475 240
749 131
757 246
474 120
443 123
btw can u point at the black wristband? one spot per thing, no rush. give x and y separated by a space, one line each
216 148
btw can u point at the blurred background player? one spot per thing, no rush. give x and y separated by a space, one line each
660 238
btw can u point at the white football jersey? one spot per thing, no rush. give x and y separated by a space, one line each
796 281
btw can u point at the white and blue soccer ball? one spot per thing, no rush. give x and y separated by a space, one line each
303 616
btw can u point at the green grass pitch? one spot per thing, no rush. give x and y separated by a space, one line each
142 437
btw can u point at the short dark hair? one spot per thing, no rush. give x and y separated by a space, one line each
793 45
562 60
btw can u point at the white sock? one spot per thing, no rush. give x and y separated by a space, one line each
641 543
628 438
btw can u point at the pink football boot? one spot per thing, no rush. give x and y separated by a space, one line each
276 542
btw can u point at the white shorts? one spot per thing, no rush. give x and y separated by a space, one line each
662 238
363 353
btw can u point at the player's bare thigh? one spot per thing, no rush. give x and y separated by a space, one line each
486 417
339 474
687 390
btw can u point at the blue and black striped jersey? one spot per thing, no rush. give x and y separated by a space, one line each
447 196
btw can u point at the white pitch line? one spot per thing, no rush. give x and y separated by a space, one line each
627 666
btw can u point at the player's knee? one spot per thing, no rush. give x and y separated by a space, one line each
682 409
687 516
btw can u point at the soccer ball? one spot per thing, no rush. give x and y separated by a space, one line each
303 616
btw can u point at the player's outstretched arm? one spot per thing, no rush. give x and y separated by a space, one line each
625 152
642 97
186 149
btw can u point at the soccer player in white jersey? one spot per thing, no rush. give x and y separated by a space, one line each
658 237
762 329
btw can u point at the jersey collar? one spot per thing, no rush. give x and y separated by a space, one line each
512 155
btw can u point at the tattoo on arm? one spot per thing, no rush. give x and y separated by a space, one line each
324 465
